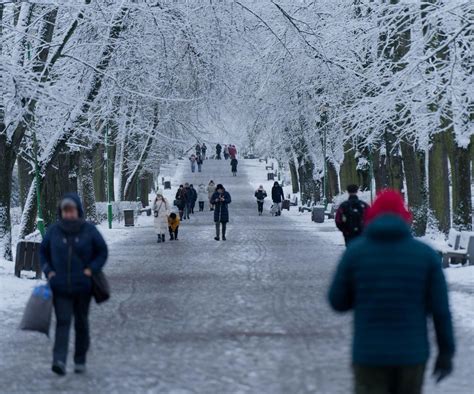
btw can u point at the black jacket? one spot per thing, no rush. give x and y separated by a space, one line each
277 194
260 195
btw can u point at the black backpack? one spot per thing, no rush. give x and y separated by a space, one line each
353 213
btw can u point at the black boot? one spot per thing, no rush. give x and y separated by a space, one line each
171 236
159 238
162 237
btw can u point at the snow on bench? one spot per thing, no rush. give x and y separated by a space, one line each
462 244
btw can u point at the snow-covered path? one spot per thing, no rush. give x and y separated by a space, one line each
248 315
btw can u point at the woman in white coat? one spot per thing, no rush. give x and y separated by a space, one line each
161 210
211 188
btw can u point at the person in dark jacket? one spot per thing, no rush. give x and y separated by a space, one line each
233 164
277 197
260 195
218 151
203 151
221 199
71 251
393 282
180 201
199 162
193 198
350 215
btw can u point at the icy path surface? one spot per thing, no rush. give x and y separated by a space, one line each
248 315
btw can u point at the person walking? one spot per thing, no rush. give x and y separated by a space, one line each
199 162
350 215
233 164
192 159
173 226
204 151
277 197
194 197
218 151
394 283
70 253
226 152
188 200
180 201
221 199
161 210
260 195
198 149
202 196
232 151
211 188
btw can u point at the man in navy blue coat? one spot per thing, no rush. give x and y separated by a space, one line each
70 253
393 283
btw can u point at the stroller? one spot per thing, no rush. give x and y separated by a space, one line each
274 210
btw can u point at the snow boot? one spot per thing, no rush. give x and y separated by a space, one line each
171 237
162 237
216 238
224 238
80 368
59 368
159 238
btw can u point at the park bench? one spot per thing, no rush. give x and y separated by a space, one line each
330 211
462 248
294 201
270 167
27 258
308 207
147 210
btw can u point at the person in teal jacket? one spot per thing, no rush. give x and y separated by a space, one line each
393 283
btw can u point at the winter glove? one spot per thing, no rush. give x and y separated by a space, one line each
443 367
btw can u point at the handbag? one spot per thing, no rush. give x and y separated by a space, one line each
100 287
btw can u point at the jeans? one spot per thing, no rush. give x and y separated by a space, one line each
193 167
389 380
199 167
260 206
187 210
218 225
65 307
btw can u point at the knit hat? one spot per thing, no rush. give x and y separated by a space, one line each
388 201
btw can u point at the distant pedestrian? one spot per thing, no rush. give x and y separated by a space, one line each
277 197
233 164
232 151
199 162
218 151
211 188
194 197
161 211
198 149
204 151
221 199
188 199
260 195
71 252
202 196
394 283
192 159
350 215
180 201
226 152
173 226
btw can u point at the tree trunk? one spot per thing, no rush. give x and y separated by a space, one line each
294 176
333 181
25 177
86 185
439 182
415 175
348 172
7 159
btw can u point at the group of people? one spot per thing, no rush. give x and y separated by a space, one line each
198 158
229 151
278 196
393 282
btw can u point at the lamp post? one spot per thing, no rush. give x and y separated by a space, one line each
39 221
371 174
325 180
109 191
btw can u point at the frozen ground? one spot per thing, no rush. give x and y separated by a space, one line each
198 316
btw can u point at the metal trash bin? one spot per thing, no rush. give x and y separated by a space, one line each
167 184
317 214
270 176
129 217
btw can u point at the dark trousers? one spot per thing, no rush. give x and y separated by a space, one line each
192 206
173 234
260 206
201 206
389 380
218 227
65 307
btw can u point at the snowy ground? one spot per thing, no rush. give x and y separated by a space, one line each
198 316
